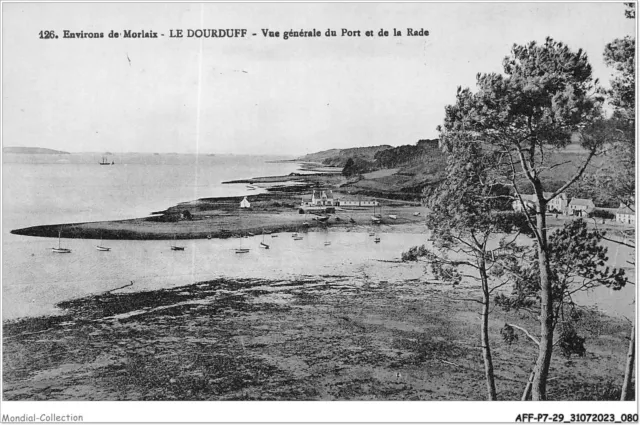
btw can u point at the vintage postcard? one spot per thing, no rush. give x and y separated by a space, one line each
255 212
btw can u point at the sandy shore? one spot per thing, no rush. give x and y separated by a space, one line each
316 338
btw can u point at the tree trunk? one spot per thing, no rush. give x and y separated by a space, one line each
628 370
539 390
484 330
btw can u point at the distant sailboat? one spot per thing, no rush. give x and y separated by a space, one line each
376 239
174 247
102 248
59 249
104 161
262 244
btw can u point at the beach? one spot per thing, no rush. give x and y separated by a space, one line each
325 337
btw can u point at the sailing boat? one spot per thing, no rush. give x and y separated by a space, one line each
174 247
104 161
102 248
375 218
376 239
241 250
59 249
262 244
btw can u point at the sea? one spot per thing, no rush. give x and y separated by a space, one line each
55 189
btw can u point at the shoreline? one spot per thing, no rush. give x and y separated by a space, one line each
273 211
310 338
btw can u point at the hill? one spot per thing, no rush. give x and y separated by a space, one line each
339 157
29 150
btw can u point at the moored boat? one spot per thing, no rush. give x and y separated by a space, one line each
60 249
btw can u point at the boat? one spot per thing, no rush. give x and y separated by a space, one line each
102 248
377 239
416 213
392 216
262 244
240 249
323 218
105 162
372 234
327 243
174 247
274 236
60 249
375 219
352 221
294 235
297 238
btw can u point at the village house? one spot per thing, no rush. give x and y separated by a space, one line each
357 202
560 203
318 198
625 215
581 207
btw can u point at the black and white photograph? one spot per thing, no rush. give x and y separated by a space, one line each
235 206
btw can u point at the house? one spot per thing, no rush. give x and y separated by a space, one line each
245 203
560 203
357 202
528 201
318 198
581 207
322 197
625 215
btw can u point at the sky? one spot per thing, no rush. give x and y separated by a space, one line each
258 95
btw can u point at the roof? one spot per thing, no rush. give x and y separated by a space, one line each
531 198
582 202
318 193
623 209
547 195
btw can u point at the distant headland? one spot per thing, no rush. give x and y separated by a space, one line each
30 150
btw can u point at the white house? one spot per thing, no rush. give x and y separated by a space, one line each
245 203
581 207
625 215
560 203
357 202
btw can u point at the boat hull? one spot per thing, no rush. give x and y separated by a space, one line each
103 248
61 250
177 248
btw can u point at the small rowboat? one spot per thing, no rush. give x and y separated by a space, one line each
264 245
393 217
242 250
297 238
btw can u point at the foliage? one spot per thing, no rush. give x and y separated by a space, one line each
545 100
414 253
186 214
401 155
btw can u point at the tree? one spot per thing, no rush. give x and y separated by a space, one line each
578 263
619 175
349 168
468 211
545 98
